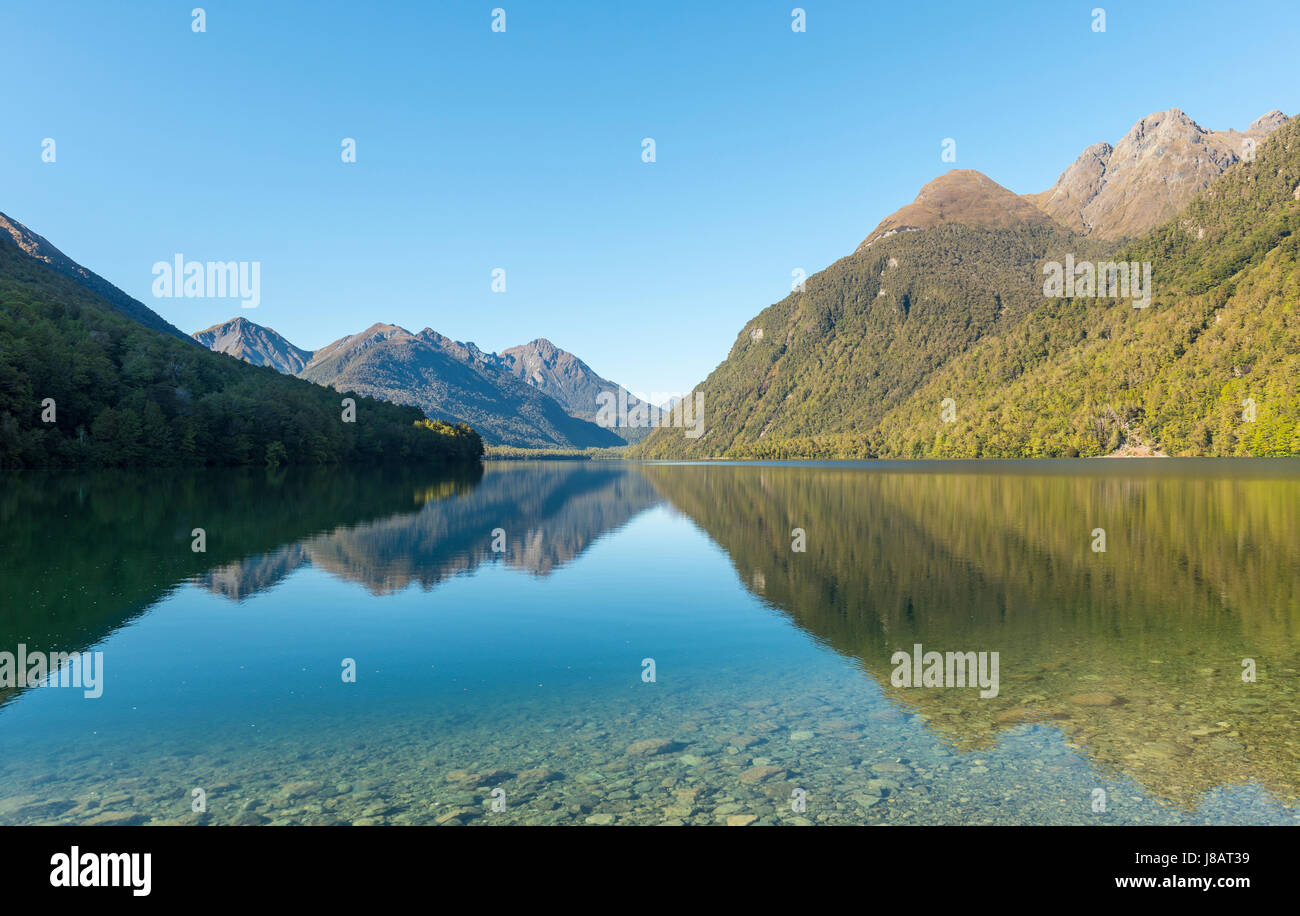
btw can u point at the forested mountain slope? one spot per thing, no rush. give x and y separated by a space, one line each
125 394
861 363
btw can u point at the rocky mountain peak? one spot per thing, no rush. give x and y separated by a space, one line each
1268 123
254 344
1162 162
964 196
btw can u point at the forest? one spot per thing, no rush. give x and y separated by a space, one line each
861 364
83 386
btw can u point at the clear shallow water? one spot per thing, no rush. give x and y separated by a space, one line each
520 671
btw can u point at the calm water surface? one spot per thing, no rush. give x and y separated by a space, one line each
514 678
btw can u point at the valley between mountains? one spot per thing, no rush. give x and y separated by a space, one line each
937 337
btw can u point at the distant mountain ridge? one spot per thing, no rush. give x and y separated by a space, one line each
570 381
455 382
503 396
254 344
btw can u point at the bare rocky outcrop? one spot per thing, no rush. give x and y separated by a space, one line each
1150 175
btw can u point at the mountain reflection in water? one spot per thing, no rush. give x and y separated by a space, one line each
1135 655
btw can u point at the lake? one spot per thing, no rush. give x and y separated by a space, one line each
616 643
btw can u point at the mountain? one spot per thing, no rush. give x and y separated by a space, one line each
254 344
560 374
1210 368
450 380
37 248
455 382
943 343
1110 192
569 381
865 333
1163 162
81 384
962 196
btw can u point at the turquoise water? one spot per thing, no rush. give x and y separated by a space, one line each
506 687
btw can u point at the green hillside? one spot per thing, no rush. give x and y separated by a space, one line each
842 371
127 395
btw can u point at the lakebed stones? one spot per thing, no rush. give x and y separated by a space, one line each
649 747
896 772
1029 714
114 819
248 819
537 776
779 791
1012 715
757 774
43 811
1095 699
472 780
193 819
300 789
456 816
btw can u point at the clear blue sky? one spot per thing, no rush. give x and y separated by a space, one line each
522 150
